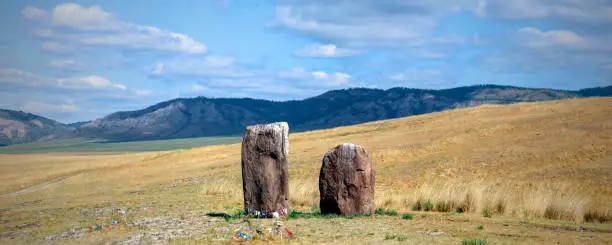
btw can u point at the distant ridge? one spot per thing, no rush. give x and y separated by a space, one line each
21 127
201 116
193 117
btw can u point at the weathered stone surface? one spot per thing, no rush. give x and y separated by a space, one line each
265 150
346 181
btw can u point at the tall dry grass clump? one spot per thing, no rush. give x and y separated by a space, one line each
218 192
303 194
598 211
551 201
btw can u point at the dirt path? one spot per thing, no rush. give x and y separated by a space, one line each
38 187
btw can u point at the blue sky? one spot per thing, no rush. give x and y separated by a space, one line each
75 61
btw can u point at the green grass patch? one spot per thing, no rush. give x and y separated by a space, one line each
305 215
407 216
480 227
359 215
396 237
239 214
453 213
487 214
388 212
421 205
473 241
429 205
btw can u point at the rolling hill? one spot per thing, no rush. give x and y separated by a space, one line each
20 127
196 117
200 117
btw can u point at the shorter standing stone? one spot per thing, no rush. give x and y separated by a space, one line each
346 181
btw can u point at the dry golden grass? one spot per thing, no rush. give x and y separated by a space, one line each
531 160
549 160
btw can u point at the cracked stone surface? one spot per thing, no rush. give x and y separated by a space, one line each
265 150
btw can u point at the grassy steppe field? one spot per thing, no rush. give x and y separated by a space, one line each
528 173
92 147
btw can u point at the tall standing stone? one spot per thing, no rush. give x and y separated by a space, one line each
265 150
346 181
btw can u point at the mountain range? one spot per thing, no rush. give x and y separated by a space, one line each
22 127
201 116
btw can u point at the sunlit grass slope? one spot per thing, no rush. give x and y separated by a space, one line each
541 160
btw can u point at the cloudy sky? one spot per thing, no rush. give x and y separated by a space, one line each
75 61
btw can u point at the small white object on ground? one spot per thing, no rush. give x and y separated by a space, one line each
433 233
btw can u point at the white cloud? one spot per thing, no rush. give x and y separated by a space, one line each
283 91
536 38
401 23
10 75
564 50
55 47
143 92
64 64
198 88
592 11
367 24
237 82
140 38
428 54
94 81
158 69
209 66
398 77
294 73
316 78
328 50
339 79
422 76
320 75
22 78
259 88
43 32
363 29
94 26
475 39
84 18
219 61
136 38
531 49
41 107
33 13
